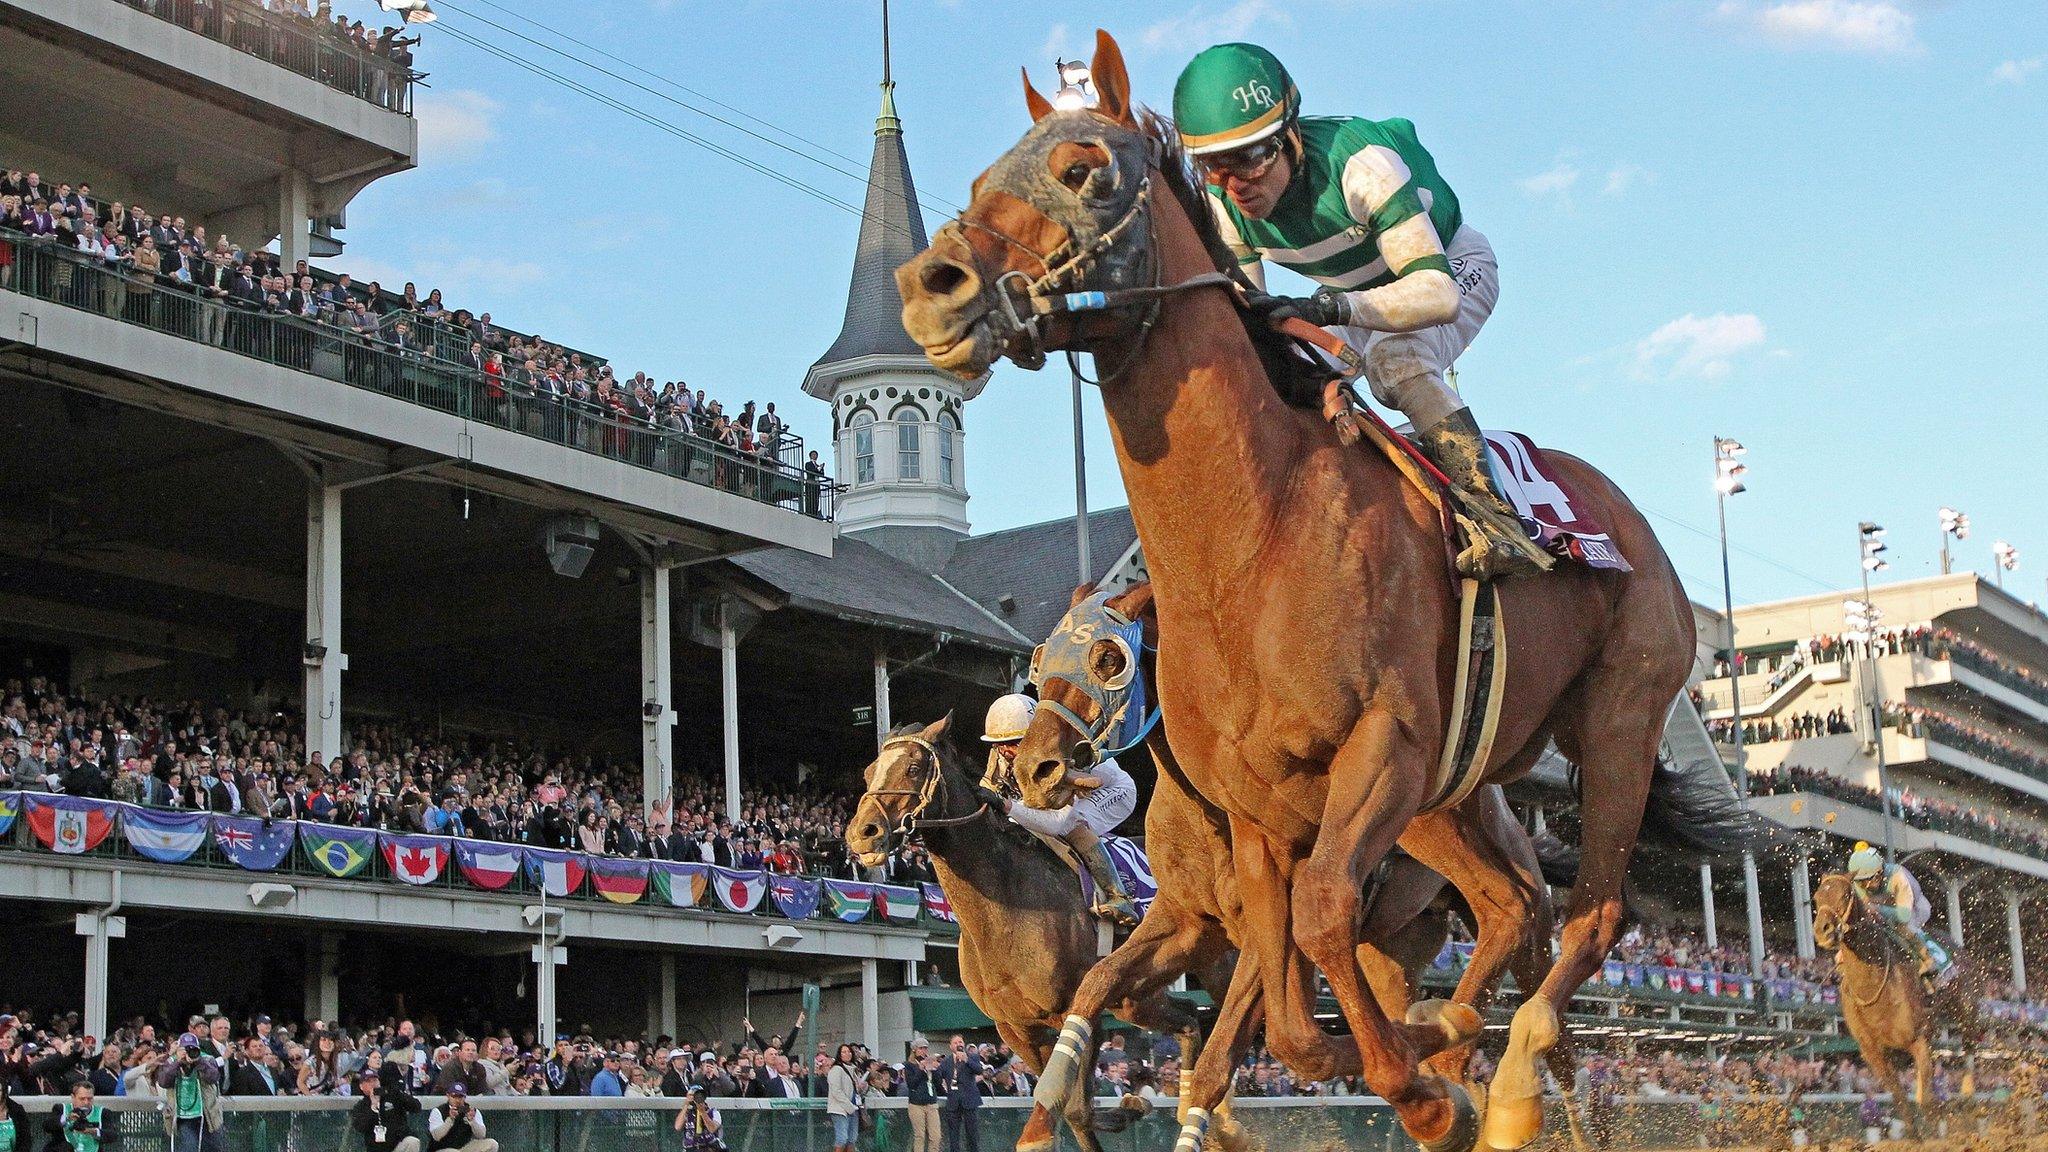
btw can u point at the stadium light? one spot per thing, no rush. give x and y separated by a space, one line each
1728 471
1871 537
1861 617
1954 526
2004 558
1077 87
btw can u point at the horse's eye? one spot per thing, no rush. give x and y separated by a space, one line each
1076 175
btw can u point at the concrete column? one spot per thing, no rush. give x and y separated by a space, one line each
323 657
2014 940
546 959
657 690
294 218
1802 907
1955 910
1707 904
1753 902
870 1005
323 985
1538 825
668 1022
882 719
729 707
98 927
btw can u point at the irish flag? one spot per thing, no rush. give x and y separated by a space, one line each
621 880
70 824
679 885
556 873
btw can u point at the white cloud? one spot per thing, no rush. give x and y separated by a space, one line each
1557 181
1697 347
1055 42
455 122
1203 25
1870 27
2017 71
1624 176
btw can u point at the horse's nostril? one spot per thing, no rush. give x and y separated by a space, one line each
870 831
1047 769
946 278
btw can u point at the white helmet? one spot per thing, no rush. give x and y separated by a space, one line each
1008 717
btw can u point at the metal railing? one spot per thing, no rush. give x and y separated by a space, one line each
296 43
1286 1124
46 270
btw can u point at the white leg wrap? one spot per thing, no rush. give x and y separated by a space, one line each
1191 1133
1073 1038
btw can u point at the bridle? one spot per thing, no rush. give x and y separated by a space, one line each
1841 926
1121 716
1023 303
931 785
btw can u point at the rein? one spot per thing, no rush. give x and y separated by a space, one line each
1843 929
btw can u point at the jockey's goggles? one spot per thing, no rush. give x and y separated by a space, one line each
1244 164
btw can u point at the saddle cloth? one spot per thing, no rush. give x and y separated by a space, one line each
1125 855
1551 514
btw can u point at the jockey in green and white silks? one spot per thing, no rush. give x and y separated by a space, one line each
1358 206
1893 891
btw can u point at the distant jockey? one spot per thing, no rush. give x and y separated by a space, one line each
1104 799
1892 890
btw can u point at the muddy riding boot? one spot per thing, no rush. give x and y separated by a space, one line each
1111 901
1456 446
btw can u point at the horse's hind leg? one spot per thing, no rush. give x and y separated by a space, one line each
1033 1042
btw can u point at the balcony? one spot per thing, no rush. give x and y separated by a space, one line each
297 44
46 272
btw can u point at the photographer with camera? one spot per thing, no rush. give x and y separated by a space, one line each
383 1118
699 1123
458 1125
82 1125
191 1083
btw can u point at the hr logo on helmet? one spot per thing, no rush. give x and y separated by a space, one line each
1252 92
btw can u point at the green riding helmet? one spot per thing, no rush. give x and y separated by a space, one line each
1230 96
1865 863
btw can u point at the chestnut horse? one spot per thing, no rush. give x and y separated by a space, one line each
1884 1004
1305 588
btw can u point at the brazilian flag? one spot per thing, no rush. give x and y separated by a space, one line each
337 851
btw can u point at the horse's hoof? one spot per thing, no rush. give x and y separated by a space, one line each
1039 1132
1464 1130
1229 1136
1134 1104
1460 1023
1512 1124
1514 1114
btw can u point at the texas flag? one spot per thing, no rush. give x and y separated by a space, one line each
415 859
556 873
738 890
488 866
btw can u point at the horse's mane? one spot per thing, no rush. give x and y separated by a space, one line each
1298 381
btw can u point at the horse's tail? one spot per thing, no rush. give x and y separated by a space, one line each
1559 860
1697 817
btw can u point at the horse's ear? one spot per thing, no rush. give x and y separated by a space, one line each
1134 603
1040 107
1112 81
937 732
1081 592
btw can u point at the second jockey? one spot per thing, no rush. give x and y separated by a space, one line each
1893 891
1358 206
1104 799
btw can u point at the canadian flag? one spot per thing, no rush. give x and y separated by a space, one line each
415 860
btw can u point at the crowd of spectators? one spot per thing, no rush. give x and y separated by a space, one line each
1935 643
1987 826
169 275
1798 726
313 41
396 778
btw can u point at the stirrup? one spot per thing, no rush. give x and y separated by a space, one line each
1486 556
1118 908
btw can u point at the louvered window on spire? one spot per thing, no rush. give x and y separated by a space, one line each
949 429
909 426
864 447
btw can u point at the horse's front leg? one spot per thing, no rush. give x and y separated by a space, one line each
1376 785
1033 1042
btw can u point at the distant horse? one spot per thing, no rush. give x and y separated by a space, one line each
1305 588
1884 1004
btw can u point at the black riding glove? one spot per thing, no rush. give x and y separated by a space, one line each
992 798
1327 308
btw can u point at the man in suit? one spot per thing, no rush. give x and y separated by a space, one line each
960 1078
249 1071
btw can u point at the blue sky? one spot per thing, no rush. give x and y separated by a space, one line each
1813 225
